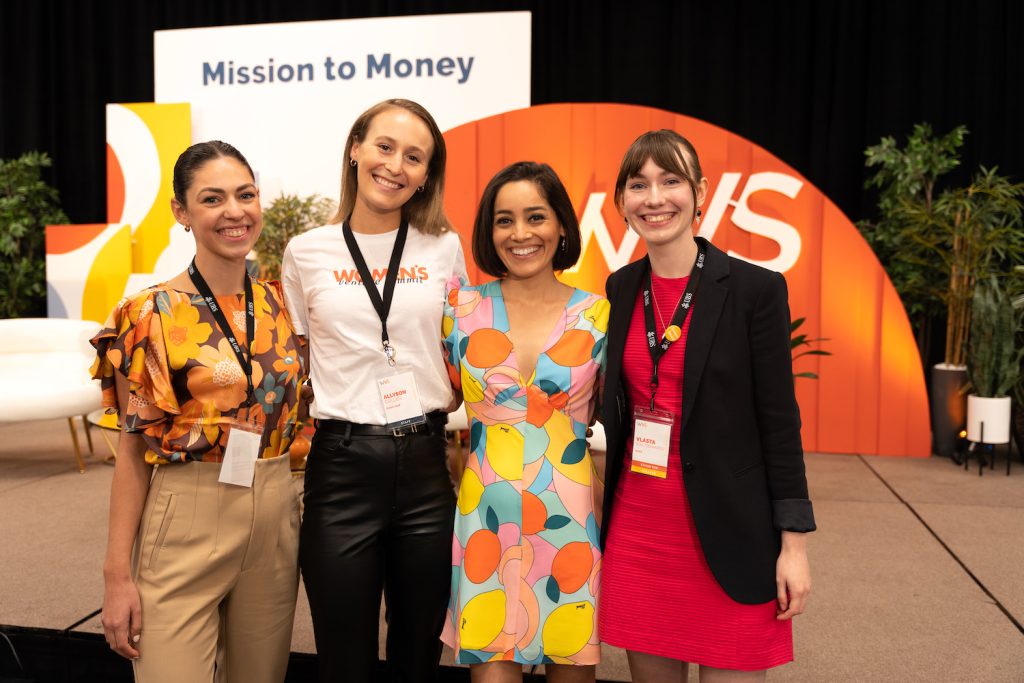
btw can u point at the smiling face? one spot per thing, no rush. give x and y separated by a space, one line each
526 231
660 205
391 163
222 206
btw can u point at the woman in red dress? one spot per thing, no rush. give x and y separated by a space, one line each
706 504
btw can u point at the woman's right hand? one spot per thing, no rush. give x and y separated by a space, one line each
305 398
122 616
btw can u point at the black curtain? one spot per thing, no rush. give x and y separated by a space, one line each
813 82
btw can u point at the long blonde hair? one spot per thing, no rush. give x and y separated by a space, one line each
424 210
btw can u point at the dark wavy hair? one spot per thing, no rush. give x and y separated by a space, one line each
551 188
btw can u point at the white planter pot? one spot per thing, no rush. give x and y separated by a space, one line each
995 413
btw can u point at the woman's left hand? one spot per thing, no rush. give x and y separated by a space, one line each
792 575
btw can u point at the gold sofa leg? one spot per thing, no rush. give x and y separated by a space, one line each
78 451
88 434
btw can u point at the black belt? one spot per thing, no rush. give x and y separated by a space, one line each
435 423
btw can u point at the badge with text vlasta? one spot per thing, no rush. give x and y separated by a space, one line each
241 453
652 436
652 429
401 400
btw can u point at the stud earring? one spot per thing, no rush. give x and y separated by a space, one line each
421 188
699 213
564 246
351 162
188 228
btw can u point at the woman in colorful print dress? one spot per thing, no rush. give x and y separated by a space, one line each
203 370
526 351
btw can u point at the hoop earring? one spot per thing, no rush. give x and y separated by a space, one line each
351 162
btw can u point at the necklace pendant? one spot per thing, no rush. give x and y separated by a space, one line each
672 333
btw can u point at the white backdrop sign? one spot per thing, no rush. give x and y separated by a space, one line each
287 94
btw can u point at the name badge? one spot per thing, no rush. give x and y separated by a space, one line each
240 455
652 436
401 400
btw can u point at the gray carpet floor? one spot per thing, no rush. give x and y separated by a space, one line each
918 566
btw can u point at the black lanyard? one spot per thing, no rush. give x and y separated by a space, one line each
244 356
381 305
682 310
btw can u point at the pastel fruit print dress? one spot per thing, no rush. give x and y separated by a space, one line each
525 553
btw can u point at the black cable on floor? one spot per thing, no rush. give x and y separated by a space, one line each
84 619
949 550
14 652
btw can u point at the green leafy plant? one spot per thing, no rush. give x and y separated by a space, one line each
993 359
286 217
906 179
798 340
936 245
27 205
971 234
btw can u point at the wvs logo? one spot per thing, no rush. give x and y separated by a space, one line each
593 227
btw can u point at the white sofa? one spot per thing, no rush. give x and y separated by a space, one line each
44 365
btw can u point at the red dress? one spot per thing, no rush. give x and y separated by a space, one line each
658 595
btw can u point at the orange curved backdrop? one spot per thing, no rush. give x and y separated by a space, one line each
870 396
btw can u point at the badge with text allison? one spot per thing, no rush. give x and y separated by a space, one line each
401 400
240 454
652 436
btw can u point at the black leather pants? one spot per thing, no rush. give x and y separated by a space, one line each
378 515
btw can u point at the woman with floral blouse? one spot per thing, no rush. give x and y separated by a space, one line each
203 370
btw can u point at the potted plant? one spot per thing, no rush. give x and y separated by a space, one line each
993 363
27 205
286 217
906 178
283 219
936 246
973 233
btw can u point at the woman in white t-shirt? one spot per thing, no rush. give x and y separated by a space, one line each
378 501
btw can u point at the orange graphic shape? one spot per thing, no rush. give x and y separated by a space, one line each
115 187
870 397
483 551
538 406
534 514
487 348
571 566
573 349
60 239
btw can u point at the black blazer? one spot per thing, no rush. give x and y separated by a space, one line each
742 459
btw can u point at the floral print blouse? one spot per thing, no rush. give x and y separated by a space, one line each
186 387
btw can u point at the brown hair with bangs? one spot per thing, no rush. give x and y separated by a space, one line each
424 210
669 150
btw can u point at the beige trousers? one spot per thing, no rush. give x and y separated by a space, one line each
216 566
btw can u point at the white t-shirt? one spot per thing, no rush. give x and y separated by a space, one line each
331 307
